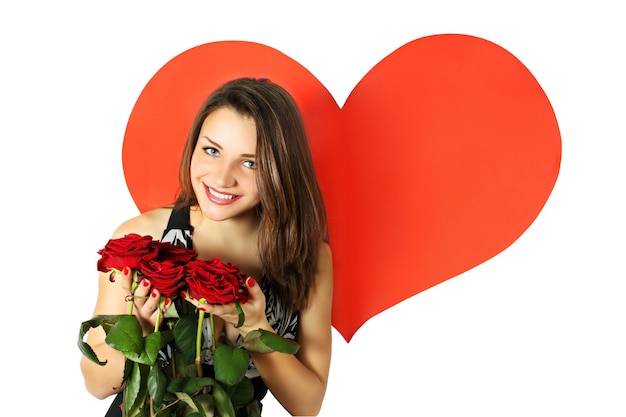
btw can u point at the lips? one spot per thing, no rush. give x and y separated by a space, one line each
220 197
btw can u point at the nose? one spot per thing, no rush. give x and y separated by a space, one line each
225 175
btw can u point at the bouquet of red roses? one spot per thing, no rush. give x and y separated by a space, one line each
163 375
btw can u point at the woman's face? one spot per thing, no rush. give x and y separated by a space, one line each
223 165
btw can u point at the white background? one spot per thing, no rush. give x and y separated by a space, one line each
536 331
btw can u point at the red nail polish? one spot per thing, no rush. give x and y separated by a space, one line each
182 294
153 293
201 308
145 282
250 282
126 270
167 302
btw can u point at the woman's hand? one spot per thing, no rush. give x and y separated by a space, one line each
253 309
146 300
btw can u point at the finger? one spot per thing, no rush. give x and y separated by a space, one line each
254 290
220 310
256 297
151 303
189 298
232 314
125 279
142 292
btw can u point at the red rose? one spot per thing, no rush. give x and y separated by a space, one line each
131 250
168 277
176 254
216 282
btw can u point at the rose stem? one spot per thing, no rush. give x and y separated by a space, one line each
133 287
199 337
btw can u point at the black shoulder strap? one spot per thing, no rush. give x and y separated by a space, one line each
178 230
179 219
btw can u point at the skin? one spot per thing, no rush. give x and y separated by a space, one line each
223 172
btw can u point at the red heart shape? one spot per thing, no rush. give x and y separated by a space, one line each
441 157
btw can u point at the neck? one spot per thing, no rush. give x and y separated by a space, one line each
232 240
235 227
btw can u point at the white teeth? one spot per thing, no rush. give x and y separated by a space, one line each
220 195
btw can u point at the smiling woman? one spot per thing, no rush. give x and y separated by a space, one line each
249 197
223 166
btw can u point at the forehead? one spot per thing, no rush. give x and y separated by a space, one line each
227 125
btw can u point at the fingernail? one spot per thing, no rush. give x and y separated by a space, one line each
182 294
250 282
145 282
126 270
153 293
201 308
167 302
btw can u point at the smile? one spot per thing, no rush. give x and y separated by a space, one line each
220 197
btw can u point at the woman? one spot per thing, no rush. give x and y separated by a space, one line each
249 196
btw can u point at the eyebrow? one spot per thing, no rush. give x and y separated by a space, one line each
217 145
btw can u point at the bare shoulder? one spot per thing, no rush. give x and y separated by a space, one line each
151 223
324 275
325 259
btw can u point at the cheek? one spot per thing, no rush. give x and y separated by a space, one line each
197 166
252 187
196 171
193 165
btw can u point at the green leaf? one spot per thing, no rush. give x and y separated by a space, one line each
230 364
185 336
189 385
188 400
242 393
152 344
222 402
279 343
104 321
184 367
202 405
109 320
84 347
166 411
136 392
253 343
126 335
157 383
254 409
205 404
148 355
128 368
240 314
263 341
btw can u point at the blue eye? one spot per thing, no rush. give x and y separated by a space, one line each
249 164
211 151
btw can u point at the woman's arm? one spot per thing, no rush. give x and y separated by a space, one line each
103 381
299 381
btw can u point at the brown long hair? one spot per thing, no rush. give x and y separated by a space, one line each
291 213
